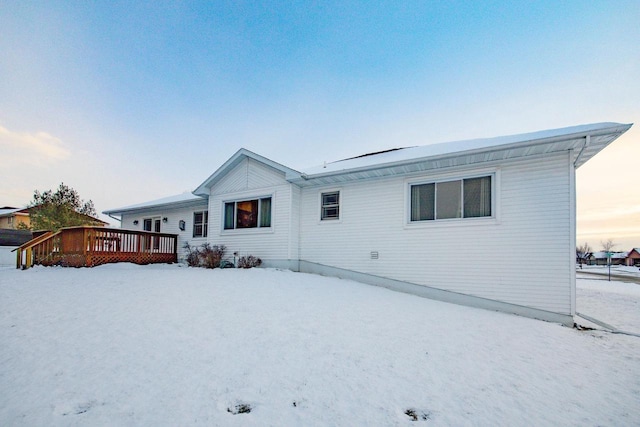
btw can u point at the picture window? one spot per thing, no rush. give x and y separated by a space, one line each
463 198
254 213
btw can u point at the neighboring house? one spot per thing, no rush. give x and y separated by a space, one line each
11 218
399 218
602 258
633 257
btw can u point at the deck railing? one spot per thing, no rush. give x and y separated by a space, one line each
89 246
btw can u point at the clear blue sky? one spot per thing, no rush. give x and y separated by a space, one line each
131 101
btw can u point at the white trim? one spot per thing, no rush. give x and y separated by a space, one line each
236 159
340 192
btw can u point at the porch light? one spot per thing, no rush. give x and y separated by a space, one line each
181 225
165 219
135 222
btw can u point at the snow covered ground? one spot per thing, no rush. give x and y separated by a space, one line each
170 345
620 270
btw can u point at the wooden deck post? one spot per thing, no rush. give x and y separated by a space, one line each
175 249
28 262
85 247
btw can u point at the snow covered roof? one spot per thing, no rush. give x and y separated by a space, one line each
614 255
179 199
10 211
584 140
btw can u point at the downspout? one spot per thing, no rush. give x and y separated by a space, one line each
572 222
113 217
587 141
572 231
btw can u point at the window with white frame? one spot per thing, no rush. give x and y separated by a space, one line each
254 213
330 205
462 198
200 223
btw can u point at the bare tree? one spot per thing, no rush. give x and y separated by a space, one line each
608 245
582 252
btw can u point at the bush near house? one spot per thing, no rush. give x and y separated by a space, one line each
249 261
206 256
212 256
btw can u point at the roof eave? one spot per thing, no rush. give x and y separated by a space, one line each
172 205
615 131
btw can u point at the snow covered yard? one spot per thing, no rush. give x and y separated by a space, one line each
619 270
615 302
170 345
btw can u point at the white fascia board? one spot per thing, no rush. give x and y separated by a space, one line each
498 144
159 204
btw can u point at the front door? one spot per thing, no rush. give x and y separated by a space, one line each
153 224
156 228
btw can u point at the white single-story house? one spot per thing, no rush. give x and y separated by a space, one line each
401 217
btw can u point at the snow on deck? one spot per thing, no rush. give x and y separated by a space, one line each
169 345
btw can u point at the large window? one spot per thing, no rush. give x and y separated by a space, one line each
330 205
463 198
200 223
254 213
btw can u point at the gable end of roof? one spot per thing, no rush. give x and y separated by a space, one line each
239 156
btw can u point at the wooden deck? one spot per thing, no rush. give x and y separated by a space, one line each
89 246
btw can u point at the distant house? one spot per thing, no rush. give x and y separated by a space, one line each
12 218
633 257
398 218
602 258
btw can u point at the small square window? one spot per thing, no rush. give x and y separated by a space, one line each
330 206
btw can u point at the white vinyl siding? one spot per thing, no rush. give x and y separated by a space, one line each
252 180
489 258
172 226
249 174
